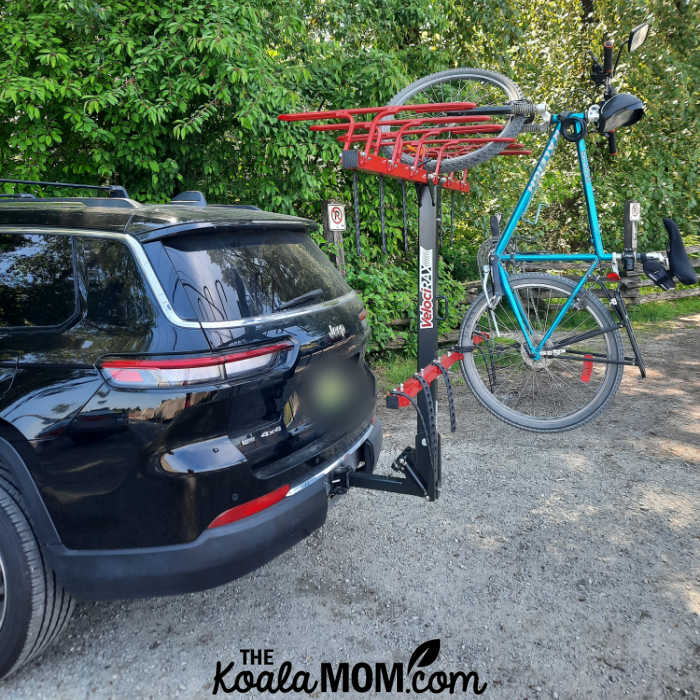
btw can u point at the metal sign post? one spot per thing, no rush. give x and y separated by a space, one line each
333 228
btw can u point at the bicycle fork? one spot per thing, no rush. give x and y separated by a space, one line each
618 303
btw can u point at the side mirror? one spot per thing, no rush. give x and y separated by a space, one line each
637 36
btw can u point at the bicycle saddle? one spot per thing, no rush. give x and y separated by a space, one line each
678 260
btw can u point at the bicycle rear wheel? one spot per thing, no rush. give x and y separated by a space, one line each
484 87
555 393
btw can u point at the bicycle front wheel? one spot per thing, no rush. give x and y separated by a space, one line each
483 87
563 389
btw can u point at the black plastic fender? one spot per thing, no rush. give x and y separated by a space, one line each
40 520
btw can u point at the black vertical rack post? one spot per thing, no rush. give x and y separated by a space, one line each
428 451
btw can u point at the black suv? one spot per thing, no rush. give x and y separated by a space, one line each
178 384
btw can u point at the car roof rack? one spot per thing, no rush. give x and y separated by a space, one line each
115 191
197 199
117 195
237 206
17 195
192 197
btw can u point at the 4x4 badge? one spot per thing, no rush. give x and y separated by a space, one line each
335 332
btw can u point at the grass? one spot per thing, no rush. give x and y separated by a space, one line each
658 311
392 370
395 368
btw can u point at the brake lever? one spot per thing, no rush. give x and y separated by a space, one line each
598 75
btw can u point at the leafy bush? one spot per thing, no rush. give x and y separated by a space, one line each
163 97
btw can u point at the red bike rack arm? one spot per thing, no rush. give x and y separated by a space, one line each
412 387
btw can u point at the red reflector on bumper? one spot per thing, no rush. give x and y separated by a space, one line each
250 508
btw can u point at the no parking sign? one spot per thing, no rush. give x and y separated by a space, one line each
336 217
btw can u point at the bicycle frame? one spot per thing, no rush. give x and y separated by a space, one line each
595 258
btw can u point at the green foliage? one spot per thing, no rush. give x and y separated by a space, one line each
163 97
658 311
393 370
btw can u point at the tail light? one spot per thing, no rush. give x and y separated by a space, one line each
150 373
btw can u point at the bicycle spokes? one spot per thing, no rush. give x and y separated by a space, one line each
575 367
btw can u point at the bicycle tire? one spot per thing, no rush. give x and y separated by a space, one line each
485 394
511 128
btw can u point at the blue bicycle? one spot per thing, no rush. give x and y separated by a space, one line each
543 352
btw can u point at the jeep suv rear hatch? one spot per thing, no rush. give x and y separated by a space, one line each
256 289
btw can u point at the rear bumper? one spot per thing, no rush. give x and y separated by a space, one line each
217 556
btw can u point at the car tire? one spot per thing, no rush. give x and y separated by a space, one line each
34 608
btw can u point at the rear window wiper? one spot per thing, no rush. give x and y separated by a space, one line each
301 299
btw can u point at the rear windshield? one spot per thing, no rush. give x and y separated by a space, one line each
230 276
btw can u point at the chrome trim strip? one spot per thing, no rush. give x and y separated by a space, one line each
330 467
144 265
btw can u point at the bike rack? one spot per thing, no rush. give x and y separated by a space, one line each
378 140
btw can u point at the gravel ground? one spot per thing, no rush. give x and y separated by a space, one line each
554 566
